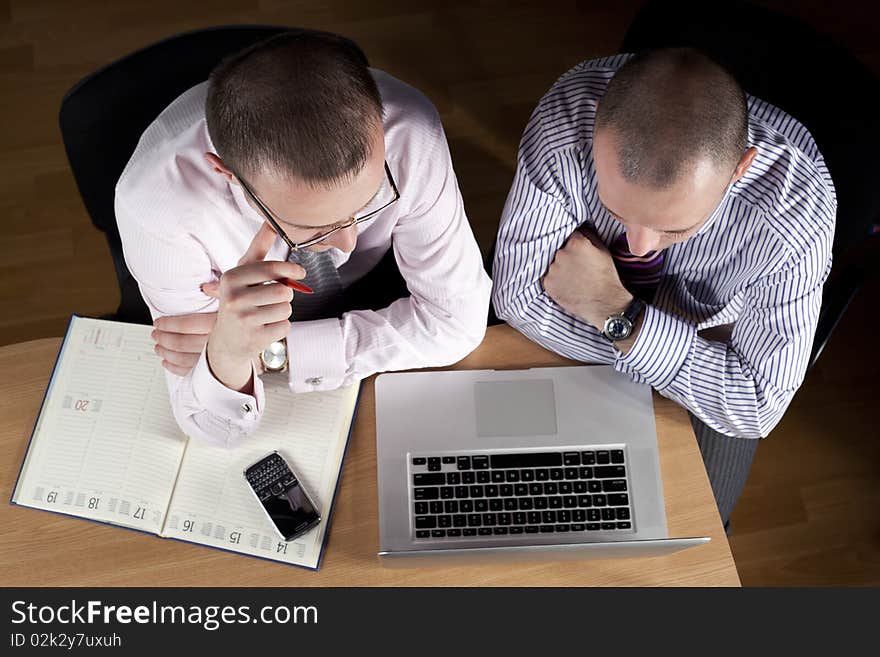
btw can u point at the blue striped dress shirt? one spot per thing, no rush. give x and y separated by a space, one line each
757 264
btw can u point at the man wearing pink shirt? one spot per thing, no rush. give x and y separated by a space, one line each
296 162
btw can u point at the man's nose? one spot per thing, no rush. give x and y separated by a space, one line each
642 241
345 240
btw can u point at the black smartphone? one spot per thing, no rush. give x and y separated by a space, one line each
282 496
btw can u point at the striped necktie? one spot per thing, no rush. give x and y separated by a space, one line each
323 277
639 274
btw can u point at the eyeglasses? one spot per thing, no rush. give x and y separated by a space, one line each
341 226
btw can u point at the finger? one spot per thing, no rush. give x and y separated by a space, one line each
261 272
261 295
177 357
260 245
269 314
275 331
176 369
212 289
192 323
191 343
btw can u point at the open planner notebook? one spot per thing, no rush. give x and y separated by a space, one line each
106 447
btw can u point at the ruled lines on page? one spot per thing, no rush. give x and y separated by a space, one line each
106 446
212 503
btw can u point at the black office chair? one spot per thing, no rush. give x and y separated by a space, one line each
783 61
103 116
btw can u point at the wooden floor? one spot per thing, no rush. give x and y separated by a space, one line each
811 512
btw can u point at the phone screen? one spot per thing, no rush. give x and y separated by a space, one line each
291 511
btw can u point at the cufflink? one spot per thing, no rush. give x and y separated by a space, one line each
314 380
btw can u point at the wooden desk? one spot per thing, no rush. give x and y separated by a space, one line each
39 548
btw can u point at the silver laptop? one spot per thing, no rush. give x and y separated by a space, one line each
547 463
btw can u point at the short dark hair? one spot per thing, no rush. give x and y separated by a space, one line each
300 104
670 107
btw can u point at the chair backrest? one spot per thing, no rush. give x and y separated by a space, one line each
104 115
783 61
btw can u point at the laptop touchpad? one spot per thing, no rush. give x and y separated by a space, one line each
515 408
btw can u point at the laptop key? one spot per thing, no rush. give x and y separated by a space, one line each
556 474
551 488
542 475
577 527
521 490
622 514
480 462
526 503
475 520
461 491
483 477
610 472
592 526
579 515
447 493
516 530
459 521
599 500
580 487
607 526
436 507
512 476
453 478
497 476
466 506
561 528
453 533
563 516
607 514
469 531
499 530
481 505
586 473
547 529
506 490
496 504
555 502
468 477
532 529
504 519
464 463
421 508
424 533
548 517
571 473
541 503
614 485
571 458
434 463
476 491
565 488
624 525
534 517
617 456
588 458
426 522
519 518
603 456
569 501
448 460
485 531
510 504
446 521
585 501
621 499
489 519
426 493
419 460
527 475
593 515
536 489
594 486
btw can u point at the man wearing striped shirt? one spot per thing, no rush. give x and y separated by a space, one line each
718 215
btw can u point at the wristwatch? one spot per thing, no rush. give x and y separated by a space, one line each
274 357
620 326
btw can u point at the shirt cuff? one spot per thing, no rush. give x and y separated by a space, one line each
660 349
316 355
224 402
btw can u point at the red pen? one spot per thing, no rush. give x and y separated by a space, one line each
299 287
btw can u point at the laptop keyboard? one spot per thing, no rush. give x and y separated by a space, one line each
513 494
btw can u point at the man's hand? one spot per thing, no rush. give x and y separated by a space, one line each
582 279
181 339
253 312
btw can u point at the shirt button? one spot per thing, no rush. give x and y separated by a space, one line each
315 380
246 407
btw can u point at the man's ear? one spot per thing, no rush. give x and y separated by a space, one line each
744 163
217 165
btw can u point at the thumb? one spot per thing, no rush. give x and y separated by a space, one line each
212 289
260 245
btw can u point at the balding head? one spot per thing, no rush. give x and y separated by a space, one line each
670 111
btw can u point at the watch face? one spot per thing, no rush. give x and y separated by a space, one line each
618 328
274 356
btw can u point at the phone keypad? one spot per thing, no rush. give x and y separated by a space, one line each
271 476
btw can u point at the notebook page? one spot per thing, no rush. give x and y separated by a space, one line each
106 445
212 503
